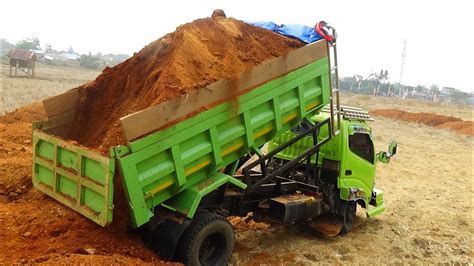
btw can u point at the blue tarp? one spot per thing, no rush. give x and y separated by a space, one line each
301 32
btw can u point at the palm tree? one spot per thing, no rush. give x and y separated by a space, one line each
379 79
358 79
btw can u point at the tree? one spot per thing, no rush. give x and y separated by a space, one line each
396 89
408 90
358 79
434 89
91 62
372 78
29 44
346 83
377 79
420 88
5 45
458 96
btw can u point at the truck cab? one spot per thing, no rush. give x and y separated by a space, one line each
343 169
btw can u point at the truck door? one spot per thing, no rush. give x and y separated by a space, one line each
358 171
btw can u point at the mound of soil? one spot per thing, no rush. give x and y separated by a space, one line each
36 228
462 127
430 119
195 55
15 150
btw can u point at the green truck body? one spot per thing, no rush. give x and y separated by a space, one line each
356 181
177 166
178 169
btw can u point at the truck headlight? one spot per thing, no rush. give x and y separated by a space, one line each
355 193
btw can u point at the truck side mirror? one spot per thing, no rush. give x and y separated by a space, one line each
384 156
392 148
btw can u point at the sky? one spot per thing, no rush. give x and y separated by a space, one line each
439 37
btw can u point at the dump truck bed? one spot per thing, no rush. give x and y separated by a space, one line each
175 149
75 176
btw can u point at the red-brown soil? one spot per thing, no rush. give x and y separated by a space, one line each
34 227
195 55
430 119
15 150
462 127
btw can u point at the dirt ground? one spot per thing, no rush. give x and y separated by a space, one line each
428 189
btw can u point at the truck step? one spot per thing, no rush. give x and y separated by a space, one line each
294 207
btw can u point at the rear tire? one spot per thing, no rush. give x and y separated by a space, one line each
209 240
348 216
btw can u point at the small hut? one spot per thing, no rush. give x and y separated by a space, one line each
23 60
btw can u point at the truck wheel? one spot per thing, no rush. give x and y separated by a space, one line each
209 240
348 216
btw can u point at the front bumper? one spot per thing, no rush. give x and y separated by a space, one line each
377 202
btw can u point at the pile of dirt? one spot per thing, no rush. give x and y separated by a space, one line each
36 228
195 55
16 151
247 223
462 127
430 119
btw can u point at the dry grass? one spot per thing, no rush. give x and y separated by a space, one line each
49 80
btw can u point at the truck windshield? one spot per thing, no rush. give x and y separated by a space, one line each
361 145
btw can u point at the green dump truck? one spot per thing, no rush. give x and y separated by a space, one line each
271 149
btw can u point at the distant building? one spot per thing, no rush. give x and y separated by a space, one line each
69 56
39 54
446 93
66 58
23 60
448 90
421 95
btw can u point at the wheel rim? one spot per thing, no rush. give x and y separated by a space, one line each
212 249
349 216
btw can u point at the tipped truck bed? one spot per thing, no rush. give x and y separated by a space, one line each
176 166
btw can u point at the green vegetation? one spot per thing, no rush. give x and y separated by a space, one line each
29 44
377 83
91 62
